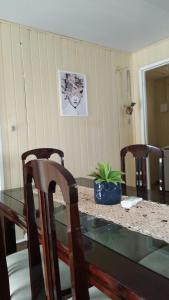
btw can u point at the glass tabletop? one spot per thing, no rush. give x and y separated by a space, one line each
144 250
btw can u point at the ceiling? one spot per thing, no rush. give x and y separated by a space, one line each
122 24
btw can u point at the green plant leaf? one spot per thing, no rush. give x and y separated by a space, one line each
104 173
99 180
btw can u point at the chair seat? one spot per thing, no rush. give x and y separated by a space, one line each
95 294
19 278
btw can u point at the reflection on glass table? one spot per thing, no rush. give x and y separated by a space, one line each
145 250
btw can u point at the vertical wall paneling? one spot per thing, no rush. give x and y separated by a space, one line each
3 118
30 61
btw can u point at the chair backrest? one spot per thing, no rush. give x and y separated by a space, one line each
140 152
46 174
43 153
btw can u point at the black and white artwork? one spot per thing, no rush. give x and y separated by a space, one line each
73 94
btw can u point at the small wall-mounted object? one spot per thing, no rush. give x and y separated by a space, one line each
163 107
129 108
13 127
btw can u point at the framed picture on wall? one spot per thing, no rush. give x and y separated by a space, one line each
73 94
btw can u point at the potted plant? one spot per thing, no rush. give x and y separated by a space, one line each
107 184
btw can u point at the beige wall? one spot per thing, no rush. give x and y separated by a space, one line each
29 100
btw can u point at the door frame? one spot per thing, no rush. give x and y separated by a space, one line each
143 100
143 96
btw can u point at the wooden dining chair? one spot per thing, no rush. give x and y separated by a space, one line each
46 176
24 279
40 153
140 152
17 281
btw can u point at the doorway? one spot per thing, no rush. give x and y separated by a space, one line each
154 91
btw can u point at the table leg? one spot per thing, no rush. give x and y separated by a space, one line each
9 235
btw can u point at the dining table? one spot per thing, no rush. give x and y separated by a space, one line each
123 263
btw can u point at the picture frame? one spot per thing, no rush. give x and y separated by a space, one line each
73 94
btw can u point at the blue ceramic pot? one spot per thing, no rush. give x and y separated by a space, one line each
107 193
